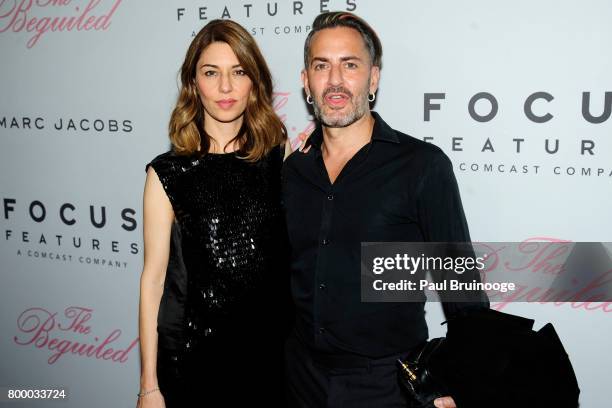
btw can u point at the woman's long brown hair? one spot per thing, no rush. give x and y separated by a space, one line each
261 130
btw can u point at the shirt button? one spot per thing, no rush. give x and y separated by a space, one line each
322 286
330 197
325 241
321 330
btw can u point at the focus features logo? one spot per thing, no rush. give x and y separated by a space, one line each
88 247
484 107
283 14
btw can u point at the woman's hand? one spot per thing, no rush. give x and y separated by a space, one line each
152 400
303 138
445 402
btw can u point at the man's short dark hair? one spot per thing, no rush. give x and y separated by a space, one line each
345 19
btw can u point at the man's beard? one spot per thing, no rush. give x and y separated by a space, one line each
360 105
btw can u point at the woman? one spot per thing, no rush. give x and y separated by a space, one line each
213 235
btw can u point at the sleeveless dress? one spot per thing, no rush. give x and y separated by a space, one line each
226 305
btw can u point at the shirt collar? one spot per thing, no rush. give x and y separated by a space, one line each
381 132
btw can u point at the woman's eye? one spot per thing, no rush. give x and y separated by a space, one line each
210 73
240 72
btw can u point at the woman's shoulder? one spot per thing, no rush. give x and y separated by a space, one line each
169 161
169 167
278 150
275 156
165 158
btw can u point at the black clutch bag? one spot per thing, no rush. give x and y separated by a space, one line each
418 375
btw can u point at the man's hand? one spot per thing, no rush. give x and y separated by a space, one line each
445 402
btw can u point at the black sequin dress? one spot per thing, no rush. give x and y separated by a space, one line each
226 304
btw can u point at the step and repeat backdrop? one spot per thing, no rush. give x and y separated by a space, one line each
518 94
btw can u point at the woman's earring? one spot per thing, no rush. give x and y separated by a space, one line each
309 99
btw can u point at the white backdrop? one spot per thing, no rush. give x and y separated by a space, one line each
85 104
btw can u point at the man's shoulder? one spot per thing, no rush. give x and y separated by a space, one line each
298 158
405 143
417 148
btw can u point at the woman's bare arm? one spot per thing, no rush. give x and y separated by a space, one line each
158 218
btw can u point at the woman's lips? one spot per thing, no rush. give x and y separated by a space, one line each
226 103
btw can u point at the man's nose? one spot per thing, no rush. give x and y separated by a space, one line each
335 75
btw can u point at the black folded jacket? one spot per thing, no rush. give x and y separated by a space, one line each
494 359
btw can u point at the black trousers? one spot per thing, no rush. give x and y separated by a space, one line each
327 381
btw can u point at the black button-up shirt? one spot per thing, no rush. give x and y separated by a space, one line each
396 188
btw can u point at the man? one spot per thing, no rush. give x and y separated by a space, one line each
359 181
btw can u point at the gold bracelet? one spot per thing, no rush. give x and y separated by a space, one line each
142 394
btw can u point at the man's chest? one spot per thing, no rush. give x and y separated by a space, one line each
374 204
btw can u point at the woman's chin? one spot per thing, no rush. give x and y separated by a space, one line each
226 116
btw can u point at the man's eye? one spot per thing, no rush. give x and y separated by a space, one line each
351 65
319 67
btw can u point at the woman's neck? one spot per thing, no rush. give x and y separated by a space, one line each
221 133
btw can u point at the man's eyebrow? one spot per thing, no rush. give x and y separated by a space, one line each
322 59
350 57
347 58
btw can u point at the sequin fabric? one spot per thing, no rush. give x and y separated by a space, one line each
229 216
